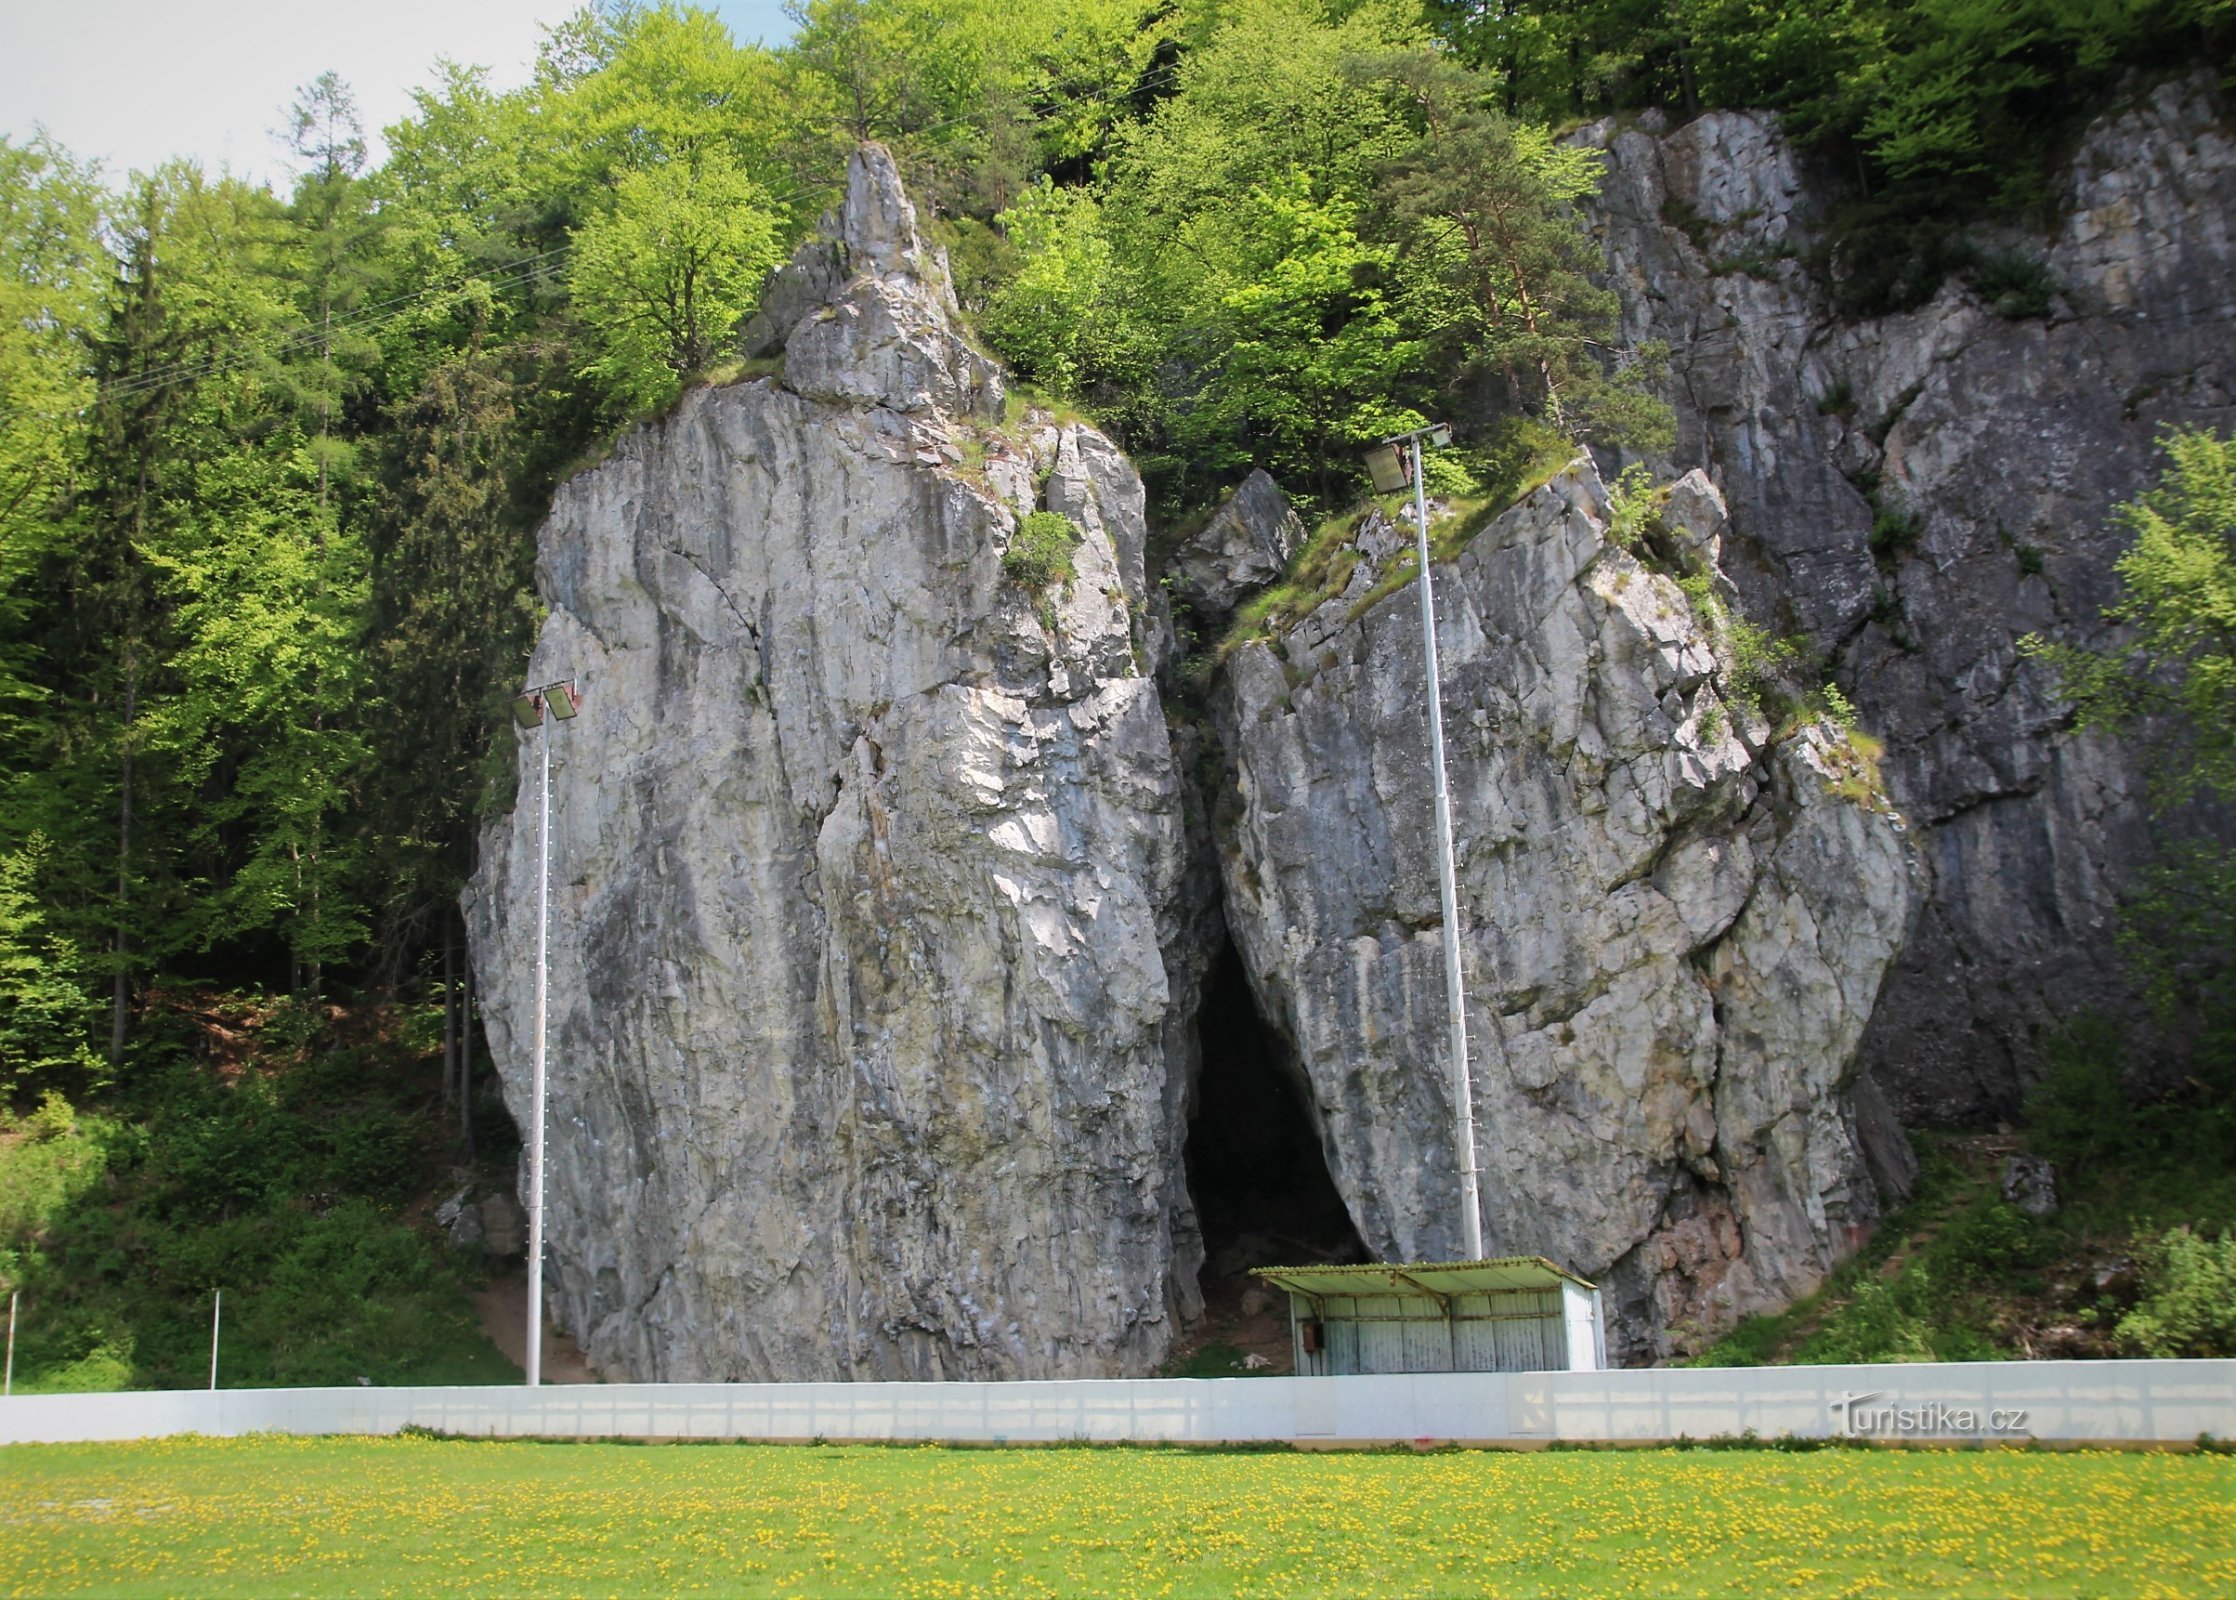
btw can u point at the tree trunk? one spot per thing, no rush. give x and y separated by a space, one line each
450 1014
466 1066
121 997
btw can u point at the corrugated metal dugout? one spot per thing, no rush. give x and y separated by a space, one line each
1516 1314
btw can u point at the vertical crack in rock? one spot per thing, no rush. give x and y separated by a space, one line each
1676 924
874 957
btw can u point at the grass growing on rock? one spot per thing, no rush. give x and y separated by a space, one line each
2137 1259
1040 552
416 1516
1523 461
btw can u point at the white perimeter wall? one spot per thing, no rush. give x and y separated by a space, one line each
2062 1402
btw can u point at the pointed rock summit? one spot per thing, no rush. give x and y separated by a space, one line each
863 313
873 962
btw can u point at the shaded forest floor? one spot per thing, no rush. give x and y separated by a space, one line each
291 1157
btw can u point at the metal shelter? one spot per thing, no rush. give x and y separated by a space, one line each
1514 1314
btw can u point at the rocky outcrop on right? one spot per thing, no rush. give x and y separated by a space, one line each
1675 917
1917 492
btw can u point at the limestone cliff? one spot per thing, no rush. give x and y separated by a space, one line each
872 989
1987 450
883 904
1676 924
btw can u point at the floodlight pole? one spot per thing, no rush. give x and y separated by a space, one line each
534 1364
536 708
9 1386
217 1310
1455 999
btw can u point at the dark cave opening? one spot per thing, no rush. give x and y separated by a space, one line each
1256 1168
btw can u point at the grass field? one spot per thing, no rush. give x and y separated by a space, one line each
424 1516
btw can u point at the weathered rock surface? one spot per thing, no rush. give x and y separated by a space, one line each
871 977
1675 928
1248 543
2004 444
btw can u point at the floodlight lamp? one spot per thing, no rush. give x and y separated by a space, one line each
1440 435
1386 467
527 709
563 699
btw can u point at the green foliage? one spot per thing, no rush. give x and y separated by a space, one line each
2016 284
2154 1157
1318 228
2172 682
1299 349
668 273
2178 599
1895 532
1489 211
2078 1114
1957 1273
46 1009
2189 1302
1040 551
1938 110
282 1185
1633 508
1761 669
1928 1287
1056 318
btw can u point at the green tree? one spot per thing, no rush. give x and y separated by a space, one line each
1298 353
454 614
1054 317
1488 210
47 1014
267 596
2171 681
2176 674
50 293
665 277
336 241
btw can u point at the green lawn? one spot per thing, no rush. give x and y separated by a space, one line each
421 1516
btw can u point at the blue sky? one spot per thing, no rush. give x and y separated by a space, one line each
134 81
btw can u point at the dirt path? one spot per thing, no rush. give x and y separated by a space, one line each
503 1308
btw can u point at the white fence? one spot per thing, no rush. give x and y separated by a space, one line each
2059 1402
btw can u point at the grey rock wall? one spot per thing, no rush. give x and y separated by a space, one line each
1675 927
883 891
872 976
2005 443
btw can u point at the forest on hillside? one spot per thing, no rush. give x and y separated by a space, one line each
271 461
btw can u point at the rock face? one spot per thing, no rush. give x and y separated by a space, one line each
1248 543
1988 452
871 979
1676 928
882 907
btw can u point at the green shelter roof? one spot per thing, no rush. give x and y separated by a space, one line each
1436 1279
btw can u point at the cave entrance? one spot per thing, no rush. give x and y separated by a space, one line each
1256 1170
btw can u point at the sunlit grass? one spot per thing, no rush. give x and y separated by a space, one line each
420 1516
